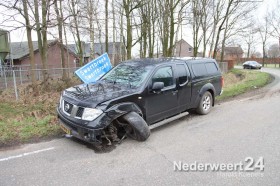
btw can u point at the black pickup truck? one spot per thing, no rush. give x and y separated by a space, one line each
139 95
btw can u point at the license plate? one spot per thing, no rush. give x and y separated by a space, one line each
65 129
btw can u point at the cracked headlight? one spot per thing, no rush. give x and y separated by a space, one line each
91 113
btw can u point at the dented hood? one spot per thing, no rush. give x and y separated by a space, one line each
99 92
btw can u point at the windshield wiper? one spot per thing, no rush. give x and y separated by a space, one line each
89 90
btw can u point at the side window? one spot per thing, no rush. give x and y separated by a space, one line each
199 69
211 68
182 73
164 75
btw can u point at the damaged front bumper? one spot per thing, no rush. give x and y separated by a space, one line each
82 130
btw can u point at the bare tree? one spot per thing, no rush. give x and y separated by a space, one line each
29 38
106 27
167 23
249 36
114 33
91 12
59 15
41 29
129 6
274 21
206 23
196 25
263 31
273 51
21 9
229 6
74 10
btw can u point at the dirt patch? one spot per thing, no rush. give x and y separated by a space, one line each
232 78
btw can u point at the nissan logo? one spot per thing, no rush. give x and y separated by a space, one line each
66 107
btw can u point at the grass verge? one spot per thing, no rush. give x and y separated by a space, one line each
33 117
239 81
272 66
20 124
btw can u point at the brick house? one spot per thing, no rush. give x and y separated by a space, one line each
183 49
116 55
20 54
233 53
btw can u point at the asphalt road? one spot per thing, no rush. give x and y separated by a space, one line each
248 126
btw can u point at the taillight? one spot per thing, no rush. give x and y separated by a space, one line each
222 82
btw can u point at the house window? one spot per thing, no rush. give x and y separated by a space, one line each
190 49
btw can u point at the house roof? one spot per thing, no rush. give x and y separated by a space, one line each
21 49
3 31
98 48
183 41
233 50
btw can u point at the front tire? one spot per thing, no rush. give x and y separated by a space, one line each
137 127
205 103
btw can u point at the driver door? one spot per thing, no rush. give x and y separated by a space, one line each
162 104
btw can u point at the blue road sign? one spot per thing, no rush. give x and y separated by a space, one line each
95 69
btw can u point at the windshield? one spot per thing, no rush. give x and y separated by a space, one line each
132 74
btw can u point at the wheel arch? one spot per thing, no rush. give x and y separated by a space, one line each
207 87
121 109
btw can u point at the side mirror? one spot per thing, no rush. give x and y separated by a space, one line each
157 86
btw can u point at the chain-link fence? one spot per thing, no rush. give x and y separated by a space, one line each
12 76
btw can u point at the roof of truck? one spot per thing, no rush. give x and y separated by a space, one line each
159 61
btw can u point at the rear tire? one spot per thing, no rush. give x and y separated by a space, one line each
137 127
205 103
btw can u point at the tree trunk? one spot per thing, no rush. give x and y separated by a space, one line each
127 11
106 27
172 29
224 40
30 43
122 39
41 29
91 28
248 51
114 35
263 48
79 43
60 40
221 28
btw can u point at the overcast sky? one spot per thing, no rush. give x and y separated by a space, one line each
20 35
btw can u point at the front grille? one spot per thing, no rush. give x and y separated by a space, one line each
80 112
72 110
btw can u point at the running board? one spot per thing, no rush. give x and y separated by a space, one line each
163 122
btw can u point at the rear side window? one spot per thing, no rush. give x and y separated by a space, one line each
164 75
182 73
199 69
211 68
